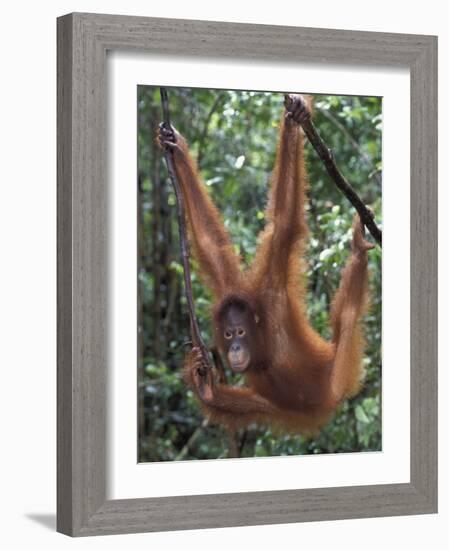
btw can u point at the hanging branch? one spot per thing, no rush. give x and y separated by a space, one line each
363 156
327 158
185 254
197 340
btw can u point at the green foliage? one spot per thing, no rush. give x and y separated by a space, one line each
233 135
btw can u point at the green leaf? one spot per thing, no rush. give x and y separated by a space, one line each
361 415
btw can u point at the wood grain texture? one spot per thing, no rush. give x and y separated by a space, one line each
83 40
64 278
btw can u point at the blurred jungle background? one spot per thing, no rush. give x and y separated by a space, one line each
233 136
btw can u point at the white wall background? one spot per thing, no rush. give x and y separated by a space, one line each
27 277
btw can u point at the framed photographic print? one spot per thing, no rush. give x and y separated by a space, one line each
317 400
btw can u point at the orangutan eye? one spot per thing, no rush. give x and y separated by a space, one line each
228 335
241 332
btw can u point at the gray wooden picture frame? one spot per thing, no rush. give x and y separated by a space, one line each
83 40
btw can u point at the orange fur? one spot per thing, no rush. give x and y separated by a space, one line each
299 378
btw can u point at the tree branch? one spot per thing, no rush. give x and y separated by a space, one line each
234 449
185 253
364 156
192 439
327 158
